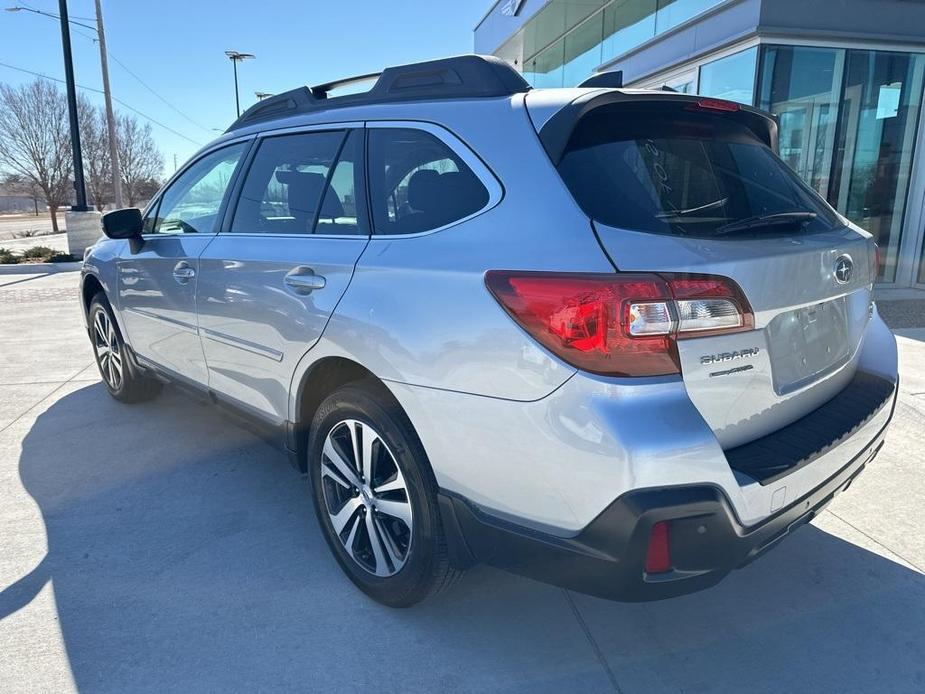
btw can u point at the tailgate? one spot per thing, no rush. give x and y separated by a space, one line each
693 186
808 326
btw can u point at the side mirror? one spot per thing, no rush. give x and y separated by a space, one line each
123 224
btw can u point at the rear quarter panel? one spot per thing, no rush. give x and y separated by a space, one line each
417 310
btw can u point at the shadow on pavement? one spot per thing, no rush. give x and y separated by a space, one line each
184 555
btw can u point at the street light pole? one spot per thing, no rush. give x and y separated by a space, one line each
237 101
236 57
79 188
116 169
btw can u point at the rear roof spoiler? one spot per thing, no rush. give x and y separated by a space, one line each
612 78
557 131
459 77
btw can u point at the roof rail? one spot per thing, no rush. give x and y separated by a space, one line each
613 79
459 77
322 90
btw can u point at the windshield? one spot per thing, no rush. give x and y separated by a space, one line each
673 171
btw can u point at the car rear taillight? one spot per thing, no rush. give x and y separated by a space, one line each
709 305
622 324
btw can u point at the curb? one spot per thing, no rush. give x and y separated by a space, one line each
39 268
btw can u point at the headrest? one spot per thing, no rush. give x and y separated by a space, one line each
331 208
297 178
303 191
422 189
464 190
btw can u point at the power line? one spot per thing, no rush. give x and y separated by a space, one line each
86 19
143 83
93 37
150 89
100 91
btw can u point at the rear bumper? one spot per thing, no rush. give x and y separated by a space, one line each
607 558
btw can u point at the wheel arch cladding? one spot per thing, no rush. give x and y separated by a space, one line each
323 378
90 288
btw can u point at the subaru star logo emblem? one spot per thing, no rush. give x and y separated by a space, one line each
844 268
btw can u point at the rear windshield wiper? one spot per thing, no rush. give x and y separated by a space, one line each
682 213
767 220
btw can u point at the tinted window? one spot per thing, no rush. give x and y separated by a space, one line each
417 183
681 172
343 211
285 183
192 202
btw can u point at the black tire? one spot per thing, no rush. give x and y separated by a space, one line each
426 569
125 383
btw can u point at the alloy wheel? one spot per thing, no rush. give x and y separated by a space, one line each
366 497
108 353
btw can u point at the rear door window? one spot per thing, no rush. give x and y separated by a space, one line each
671 171
304 183
417 183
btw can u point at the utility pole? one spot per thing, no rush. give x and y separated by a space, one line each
79 188
110 117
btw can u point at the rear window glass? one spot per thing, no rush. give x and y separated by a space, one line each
673 171
417 183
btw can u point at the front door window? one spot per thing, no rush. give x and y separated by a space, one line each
191 204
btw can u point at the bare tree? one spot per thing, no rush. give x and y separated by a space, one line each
94 140
139 157
34 140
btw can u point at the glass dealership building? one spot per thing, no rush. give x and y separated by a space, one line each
844 77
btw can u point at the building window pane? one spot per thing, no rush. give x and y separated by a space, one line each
548 25
801 86
732 77
583 50
545 68
627 23
674 12
870 176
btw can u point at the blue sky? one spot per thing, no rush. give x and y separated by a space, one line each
177 48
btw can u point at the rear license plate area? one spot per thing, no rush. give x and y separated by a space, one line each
807 343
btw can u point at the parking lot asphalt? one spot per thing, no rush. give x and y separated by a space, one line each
159 547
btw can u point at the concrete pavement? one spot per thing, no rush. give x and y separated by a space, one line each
159 547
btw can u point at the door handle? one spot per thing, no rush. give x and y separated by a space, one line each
183 272
303 280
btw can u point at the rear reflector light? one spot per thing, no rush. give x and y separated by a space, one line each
620 324
719 105
658 556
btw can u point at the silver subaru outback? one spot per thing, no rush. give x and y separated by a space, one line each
601 337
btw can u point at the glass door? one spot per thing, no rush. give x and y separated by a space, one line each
802 87
881 100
